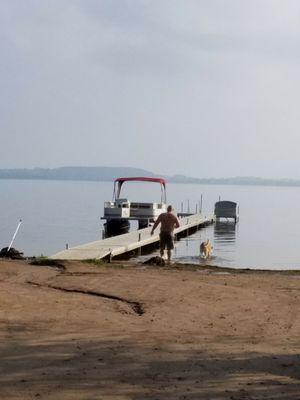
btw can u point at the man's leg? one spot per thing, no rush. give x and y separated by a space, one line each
162 245
169 254
170 246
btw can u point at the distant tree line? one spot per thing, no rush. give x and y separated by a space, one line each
111 173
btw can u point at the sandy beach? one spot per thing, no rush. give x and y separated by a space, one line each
121 331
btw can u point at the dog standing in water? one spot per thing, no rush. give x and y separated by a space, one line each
205 249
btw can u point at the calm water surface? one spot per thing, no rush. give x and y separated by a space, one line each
55 213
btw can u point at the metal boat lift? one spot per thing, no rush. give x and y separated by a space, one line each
227 209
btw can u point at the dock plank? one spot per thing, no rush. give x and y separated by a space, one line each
117 245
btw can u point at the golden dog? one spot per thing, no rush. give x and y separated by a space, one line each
205 249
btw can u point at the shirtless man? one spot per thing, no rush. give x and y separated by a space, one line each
168 223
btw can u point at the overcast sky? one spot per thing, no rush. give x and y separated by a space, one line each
205 88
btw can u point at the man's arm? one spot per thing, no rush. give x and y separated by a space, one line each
177 224
155 224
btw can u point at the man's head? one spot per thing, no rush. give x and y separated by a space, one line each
170 208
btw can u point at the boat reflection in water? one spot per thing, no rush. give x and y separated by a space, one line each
224 235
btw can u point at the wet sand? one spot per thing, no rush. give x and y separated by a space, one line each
84 331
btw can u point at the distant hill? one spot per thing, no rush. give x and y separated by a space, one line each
73 173
111 173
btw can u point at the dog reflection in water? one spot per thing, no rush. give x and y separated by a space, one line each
205 249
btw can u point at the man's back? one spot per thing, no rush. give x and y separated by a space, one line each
168 222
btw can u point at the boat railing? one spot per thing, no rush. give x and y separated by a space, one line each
109 204
147 205
113 204
141 205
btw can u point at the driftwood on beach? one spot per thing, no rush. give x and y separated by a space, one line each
11 253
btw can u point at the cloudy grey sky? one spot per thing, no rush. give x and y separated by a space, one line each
199 87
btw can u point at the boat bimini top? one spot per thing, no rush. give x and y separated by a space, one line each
118 183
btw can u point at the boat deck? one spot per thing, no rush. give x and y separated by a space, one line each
122 244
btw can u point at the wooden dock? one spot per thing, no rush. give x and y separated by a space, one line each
132 241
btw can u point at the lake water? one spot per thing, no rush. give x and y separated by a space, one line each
58 212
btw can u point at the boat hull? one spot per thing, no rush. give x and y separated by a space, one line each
116 227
